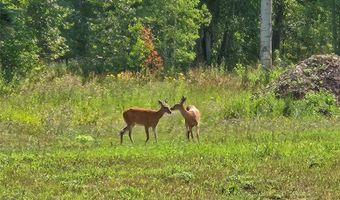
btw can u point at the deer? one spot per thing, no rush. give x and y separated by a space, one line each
146 117
192 117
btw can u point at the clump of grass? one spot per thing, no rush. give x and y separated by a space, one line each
130 193
185 176
84 138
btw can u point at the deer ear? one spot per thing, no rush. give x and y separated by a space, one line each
160 102
165 100
183 99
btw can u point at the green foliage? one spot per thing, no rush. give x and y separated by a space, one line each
19 50
104 36
47 19
176 27
255 77
314 103
267 105
234 32
18 55
138 50
307 31
112 39
112 44
300 29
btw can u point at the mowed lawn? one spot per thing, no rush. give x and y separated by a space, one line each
59 140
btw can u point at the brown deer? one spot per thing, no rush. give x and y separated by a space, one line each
146 117
192 117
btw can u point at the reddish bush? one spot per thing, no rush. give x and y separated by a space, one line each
153 60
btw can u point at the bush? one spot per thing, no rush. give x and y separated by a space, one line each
313 104
267 105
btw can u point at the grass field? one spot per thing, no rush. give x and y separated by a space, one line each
59 140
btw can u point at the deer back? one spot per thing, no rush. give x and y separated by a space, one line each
141 116
193 115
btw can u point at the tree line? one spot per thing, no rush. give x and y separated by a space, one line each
115 35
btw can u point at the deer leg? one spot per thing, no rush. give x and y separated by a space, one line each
154 129
121 132
130 134
187 132
147 134
192 135
198 133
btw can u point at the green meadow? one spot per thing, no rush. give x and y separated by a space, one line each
59 140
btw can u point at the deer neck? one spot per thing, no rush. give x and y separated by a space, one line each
184 112
160 113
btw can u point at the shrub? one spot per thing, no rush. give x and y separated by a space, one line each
84 139
313 104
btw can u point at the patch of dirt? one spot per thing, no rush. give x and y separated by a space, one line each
313 74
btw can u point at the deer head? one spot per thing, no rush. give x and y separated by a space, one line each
180 104
164 106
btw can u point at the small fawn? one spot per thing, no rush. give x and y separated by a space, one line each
192 117
146 117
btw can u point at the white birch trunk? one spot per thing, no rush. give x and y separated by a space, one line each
266 34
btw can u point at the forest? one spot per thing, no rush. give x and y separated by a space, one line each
113 36
214 121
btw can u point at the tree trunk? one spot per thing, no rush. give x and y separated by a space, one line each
203 47
278 24
266 34
205 42
222 50
199 49
226 52
207 46
334 28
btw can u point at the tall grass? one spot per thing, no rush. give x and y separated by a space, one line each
55 102
58 139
